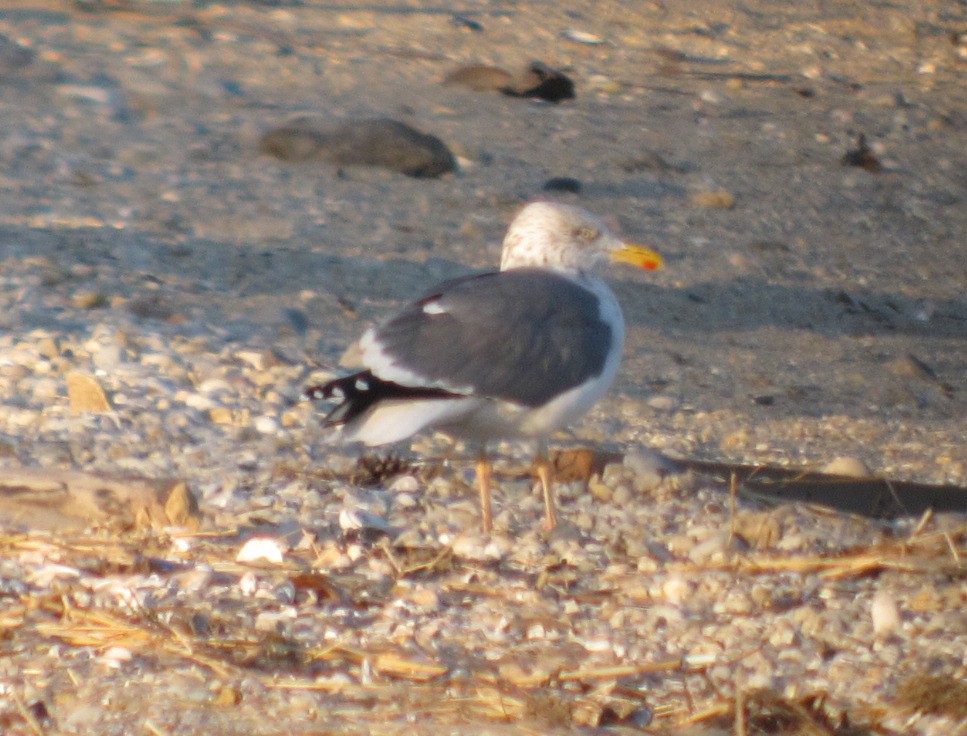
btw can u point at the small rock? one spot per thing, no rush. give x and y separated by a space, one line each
197 401
257 359
108 357
479 78
266 425
45 390
662 403
909 366
573 34
480 548
650 468
462 21
849 467
719 199
713 548
599 490
605 85
405 484
676 589
88 300
542 82
151 306
221 415
357 519
562 184
261 548
885 614
48 348
380 142
861 156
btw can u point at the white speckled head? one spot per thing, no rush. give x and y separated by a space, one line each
553 235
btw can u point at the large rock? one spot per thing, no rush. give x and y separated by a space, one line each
370 142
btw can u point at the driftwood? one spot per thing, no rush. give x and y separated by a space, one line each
53 499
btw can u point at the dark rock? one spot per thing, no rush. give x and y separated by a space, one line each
463 21
13 56
297 320
562 184
537 80
379 142
861 156
542 82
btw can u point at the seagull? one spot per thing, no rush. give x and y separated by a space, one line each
511 354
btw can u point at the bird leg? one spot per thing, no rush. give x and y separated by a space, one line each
543 466
483 483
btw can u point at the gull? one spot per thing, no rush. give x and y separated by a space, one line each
517 353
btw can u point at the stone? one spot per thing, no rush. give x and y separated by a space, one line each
380 142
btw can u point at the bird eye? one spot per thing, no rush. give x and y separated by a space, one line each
586 233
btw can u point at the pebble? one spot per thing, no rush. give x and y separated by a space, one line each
676 589
261 549
650 468
663 403
355 519
479 548
479 78
885 614
713 548
566 184
718 199
405 484
579 36
108 357
605 85
266 425
849 467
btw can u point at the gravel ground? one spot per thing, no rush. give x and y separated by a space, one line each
809 309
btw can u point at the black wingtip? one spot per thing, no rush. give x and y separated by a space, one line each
358 392
350 391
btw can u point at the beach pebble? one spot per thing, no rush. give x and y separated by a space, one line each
885 614
479 78
649 466
265 424
261 549
716 199
849 467
713 548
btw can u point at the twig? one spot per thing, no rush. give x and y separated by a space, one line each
733 494
739 724
156 730
924 520
25 713
616 671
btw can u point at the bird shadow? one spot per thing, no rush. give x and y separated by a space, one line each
260 286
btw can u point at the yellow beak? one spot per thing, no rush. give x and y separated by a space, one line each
638 255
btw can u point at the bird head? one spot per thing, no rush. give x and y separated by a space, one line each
566 238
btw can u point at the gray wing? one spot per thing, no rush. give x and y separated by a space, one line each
523 335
